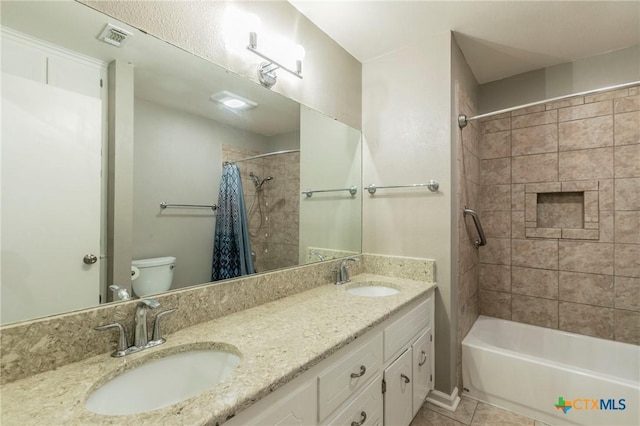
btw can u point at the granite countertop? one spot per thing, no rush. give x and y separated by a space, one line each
277 342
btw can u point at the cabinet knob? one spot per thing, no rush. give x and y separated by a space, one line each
424 359
363 370
363 418
406 379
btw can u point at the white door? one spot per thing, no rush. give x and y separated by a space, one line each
398 397
51 160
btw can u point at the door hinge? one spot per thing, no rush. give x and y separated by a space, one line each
431 337
101 83
431 377
384 386
99 298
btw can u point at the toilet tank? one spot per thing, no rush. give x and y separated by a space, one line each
155 275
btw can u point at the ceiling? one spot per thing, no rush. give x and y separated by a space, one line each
498 38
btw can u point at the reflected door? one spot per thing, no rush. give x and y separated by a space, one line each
51 161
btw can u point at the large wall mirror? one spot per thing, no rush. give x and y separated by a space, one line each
93 131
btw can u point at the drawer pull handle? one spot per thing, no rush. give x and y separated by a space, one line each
424 359
362 420
406 379
363 370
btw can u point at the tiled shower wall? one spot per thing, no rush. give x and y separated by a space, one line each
468 188
275 237
584 280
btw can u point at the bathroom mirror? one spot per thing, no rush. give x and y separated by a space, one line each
61 82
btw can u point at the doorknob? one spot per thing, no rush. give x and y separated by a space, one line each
89 259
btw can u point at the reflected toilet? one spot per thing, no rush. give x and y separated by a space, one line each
152 276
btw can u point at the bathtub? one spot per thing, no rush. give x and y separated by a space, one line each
526 369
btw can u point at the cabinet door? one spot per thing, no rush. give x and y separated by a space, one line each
421 354
398 397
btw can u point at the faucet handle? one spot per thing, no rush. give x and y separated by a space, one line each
157 334
149 303
122 339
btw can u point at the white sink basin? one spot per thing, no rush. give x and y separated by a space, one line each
372 291
162 382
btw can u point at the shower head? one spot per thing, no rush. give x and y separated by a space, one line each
257 181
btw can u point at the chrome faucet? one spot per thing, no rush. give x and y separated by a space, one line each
140 334
342 274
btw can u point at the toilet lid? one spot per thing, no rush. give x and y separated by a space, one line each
156 261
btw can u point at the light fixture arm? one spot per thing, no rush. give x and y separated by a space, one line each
266 70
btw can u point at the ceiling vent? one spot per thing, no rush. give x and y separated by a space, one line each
114 36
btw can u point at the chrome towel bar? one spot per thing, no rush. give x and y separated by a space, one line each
309 192
164 205
432 186
481 241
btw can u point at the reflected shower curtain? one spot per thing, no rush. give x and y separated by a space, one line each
231 246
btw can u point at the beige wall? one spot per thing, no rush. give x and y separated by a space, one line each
617 67
331 157
332 77
406 119
539 268
120 175
177 159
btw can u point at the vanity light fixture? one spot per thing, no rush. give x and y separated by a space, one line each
267 70
232 101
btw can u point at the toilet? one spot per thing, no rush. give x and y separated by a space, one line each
152 276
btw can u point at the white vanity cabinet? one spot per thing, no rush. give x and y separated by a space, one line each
383 377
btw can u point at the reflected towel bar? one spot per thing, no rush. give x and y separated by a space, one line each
164 205
309 192
433 186
481 241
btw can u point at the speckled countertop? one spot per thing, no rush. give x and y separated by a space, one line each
277 341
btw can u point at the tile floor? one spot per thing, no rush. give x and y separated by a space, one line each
470 412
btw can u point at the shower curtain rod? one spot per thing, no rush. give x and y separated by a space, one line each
268 154
463 120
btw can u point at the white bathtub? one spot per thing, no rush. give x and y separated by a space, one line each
526 369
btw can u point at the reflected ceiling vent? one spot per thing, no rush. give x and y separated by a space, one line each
114 36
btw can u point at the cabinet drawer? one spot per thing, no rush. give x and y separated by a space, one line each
365 409
398 334
293 408
336 384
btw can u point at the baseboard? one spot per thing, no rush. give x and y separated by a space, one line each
441 399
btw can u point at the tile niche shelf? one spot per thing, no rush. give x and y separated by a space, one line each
564 210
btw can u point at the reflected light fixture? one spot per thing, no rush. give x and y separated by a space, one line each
267 70
232 101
